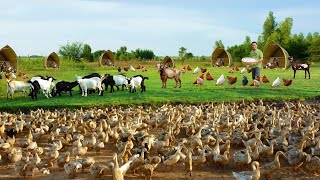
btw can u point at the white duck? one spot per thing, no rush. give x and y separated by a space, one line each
196 70
276 82
246 175
220 81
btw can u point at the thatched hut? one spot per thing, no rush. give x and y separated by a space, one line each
107 58
168 62
9 59
221 57
52 61
273 53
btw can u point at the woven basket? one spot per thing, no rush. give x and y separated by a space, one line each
248 61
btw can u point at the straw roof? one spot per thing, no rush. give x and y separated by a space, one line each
274 50
168 62
107 58
52 58
8 55
221 53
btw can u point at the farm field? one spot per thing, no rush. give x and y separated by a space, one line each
189 93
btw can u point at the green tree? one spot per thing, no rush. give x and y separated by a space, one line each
188 55
122 53
182 52
86 54
282 34
314 48
143 54
96 55
71 51
269 26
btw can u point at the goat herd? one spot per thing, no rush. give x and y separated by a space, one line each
86 84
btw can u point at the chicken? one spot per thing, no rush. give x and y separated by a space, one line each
126 68
220 81
287 82
203 70
189 68
132 69
232 80
276 82
198 81
13 76
143 69
196 70
201 76
265 79
255 83
245 81
209 77
243 70
231 71
236 68
138 67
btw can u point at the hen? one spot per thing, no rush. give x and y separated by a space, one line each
245 81
220 81
243 70
232 80
236 68
287 82
198 81
209 77
189 68
196 70
276 82
126 68
203 70
231 71
265 79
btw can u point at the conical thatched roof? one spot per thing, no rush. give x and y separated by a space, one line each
52 61
107 59
274 50
168 62
8 55
220 54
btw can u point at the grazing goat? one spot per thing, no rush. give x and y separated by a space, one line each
88 77
168 73
89 84
14 86
299 66
45 85
63 86
116 80
35 89
137 81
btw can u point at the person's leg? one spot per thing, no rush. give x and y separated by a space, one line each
253 71
257 72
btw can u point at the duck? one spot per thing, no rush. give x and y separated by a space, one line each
86 162
173 159
97 170
188 164
118 173
63 159
249 175
15 155
79 151
71 168
222 159
242 156
52 156
200 159
313 166
275 164
137 162
267 150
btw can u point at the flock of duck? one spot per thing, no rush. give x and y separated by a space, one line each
258 137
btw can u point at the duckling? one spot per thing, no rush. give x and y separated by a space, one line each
71 168
249 175
118 173
63 159
242 156
97 170
222 159
79 151
86 162
173 159
269 167
188 164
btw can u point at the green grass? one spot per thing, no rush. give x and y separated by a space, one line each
300 89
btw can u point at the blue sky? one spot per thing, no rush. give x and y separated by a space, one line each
41 26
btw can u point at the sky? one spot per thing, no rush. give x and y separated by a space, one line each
38 27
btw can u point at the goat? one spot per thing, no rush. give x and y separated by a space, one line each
87 84
116 80
35 89
135 82
88 77
63 86
14 86
46 86
299 66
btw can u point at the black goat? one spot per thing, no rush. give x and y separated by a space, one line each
63 86
34 89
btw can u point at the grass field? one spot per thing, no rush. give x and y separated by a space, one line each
300 89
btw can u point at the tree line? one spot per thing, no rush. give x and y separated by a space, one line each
300 46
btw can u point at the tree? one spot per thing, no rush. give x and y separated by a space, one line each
86 54
218 44
282 33
71 51
269 26
143 54
314 48
122 53
182 52
96 55
188 55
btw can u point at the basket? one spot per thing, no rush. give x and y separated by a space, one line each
248 61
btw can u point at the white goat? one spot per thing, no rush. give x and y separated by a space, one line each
46 86
137 81
89 84
14 86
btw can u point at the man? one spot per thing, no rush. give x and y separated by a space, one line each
257 55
